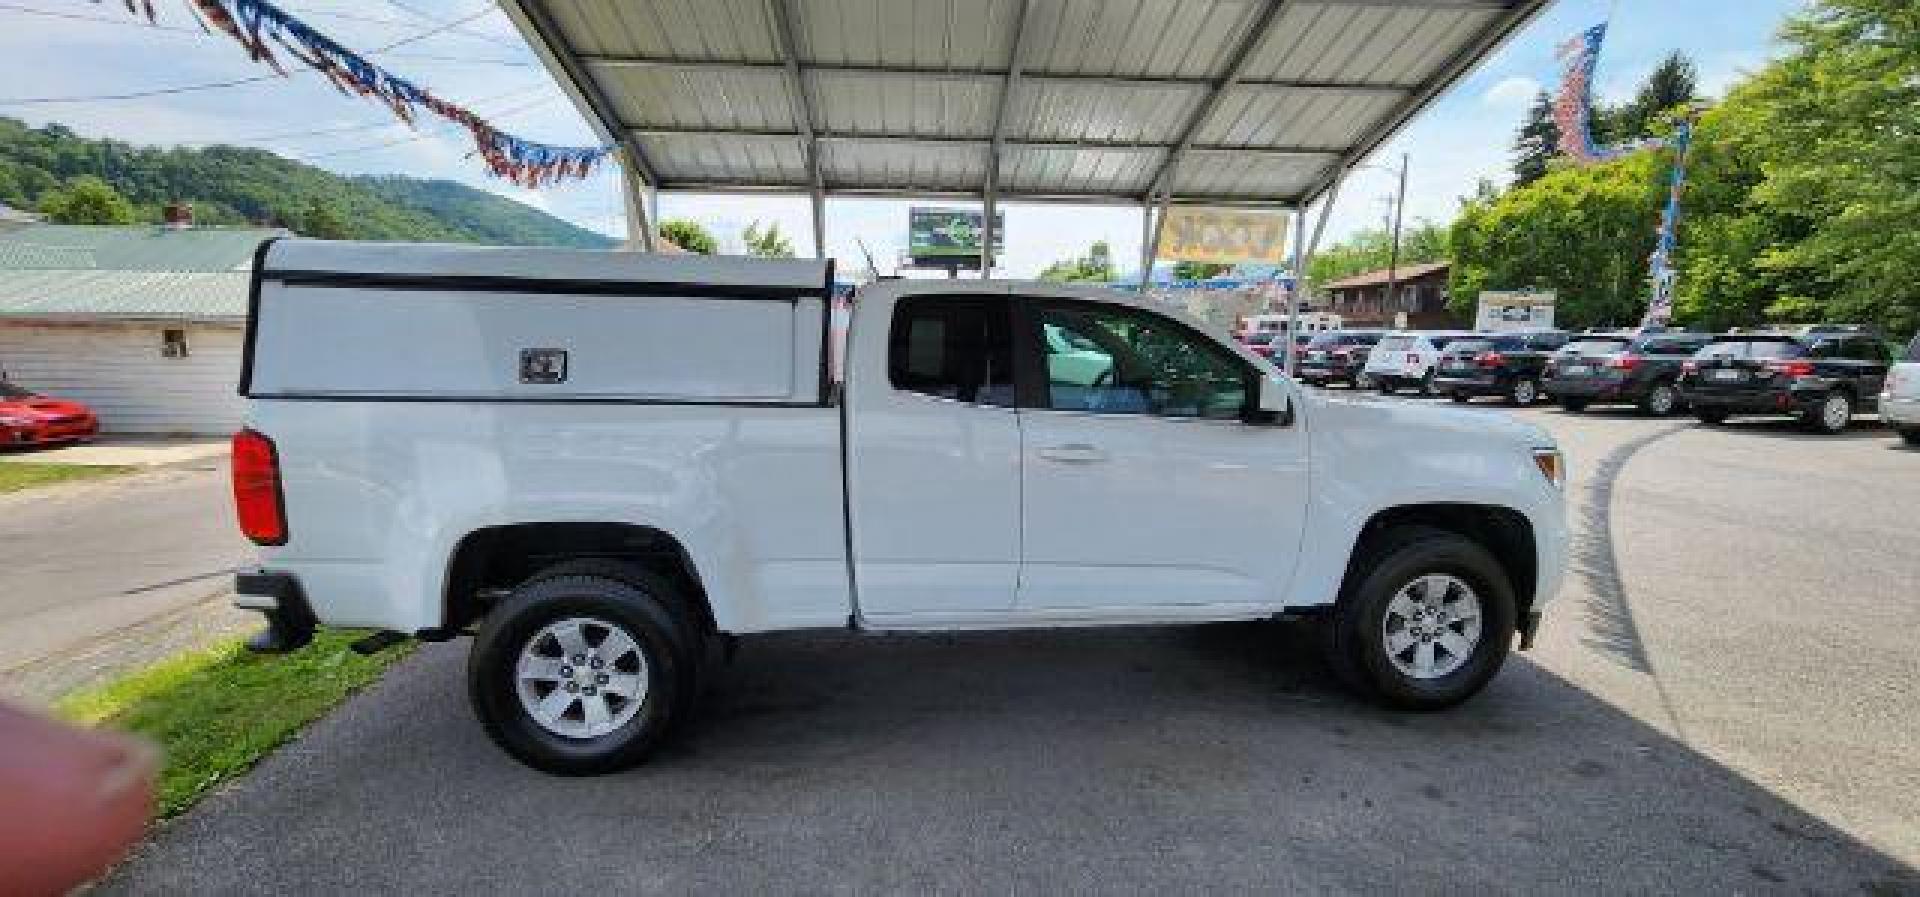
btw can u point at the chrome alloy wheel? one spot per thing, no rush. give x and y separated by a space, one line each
581 677
1835 412
1432 626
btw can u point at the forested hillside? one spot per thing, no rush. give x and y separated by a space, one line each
41 169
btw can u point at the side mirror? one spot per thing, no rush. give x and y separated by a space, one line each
1273 404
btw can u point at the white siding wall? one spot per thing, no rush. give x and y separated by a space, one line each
117 369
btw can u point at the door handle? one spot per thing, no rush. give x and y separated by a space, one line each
1076 452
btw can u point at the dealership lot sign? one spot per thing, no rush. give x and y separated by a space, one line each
1223 236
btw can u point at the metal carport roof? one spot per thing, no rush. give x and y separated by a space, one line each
1227 102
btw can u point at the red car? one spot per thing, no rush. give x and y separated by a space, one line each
27 418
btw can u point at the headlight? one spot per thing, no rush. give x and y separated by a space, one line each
1552 466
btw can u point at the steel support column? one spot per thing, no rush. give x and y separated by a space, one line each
803 107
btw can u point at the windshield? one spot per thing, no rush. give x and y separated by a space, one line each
1591 346
1751 348
1261 338
1669 346
10 391
1441 342
1331 339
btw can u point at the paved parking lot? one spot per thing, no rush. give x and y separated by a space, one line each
1724 700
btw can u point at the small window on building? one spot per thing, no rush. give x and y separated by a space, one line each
173 344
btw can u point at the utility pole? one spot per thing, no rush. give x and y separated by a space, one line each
1393 257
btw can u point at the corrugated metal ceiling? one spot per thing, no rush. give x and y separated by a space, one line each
1250 101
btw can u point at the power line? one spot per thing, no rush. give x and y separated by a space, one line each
427 135
370 126
195 32
429 17
103 20
235 82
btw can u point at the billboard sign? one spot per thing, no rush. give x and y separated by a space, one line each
1515 310
1223 236
950 237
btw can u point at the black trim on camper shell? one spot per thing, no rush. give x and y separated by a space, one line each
542 286
549 286
253 316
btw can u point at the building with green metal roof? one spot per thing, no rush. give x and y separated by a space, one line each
142 322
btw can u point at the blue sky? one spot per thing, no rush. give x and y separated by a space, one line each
484 64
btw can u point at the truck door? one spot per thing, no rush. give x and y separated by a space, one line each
1142 487
933 459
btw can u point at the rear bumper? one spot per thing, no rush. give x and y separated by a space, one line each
46 434
277 596
1324 370
1751 401
1900 412
1478 384
1592 388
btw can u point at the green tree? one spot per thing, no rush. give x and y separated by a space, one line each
1198 270
1537 142
87 200
1674 82
1371 249
1095 266
689 235
322 221
1583 232
768 243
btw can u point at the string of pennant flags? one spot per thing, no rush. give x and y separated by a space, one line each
1573 114
259 27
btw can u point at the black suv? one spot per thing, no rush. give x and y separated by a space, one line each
1820 375
1497 364
1623 368
1337 355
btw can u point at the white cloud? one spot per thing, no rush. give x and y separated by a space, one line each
1514 92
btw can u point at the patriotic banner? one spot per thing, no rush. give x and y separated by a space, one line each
256 24
1573 108
1660 305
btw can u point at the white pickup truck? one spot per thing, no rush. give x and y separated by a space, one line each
605 466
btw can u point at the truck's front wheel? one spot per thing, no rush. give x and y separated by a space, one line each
579 675
1424 620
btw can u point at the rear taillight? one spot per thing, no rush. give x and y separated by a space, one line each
1491 359
256 489
1624 362
1791 368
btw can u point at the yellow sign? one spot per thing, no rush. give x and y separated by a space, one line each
1223 236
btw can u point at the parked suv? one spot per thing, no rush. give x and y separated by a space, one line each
1900 400
1821 376
1622 368
1408 358
1501 364
1337 356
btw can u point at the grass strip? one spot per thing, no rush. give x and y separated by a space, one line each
15 476
216 712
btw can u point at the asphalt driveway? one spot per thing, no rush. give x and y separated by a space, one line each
1724 701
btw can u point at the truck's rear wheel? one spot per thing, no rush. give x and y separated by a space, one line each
580 675
1424 621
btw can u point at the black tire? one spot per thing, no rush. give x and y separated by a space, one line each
1662 399
1814 415
1714 416
1912 436
701 650
1461 396
1524 392
1386 563
1387 386
1426 383
643 613
1573 405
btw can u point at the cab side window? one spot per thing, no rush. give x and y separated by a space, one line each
1116 360
957 348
